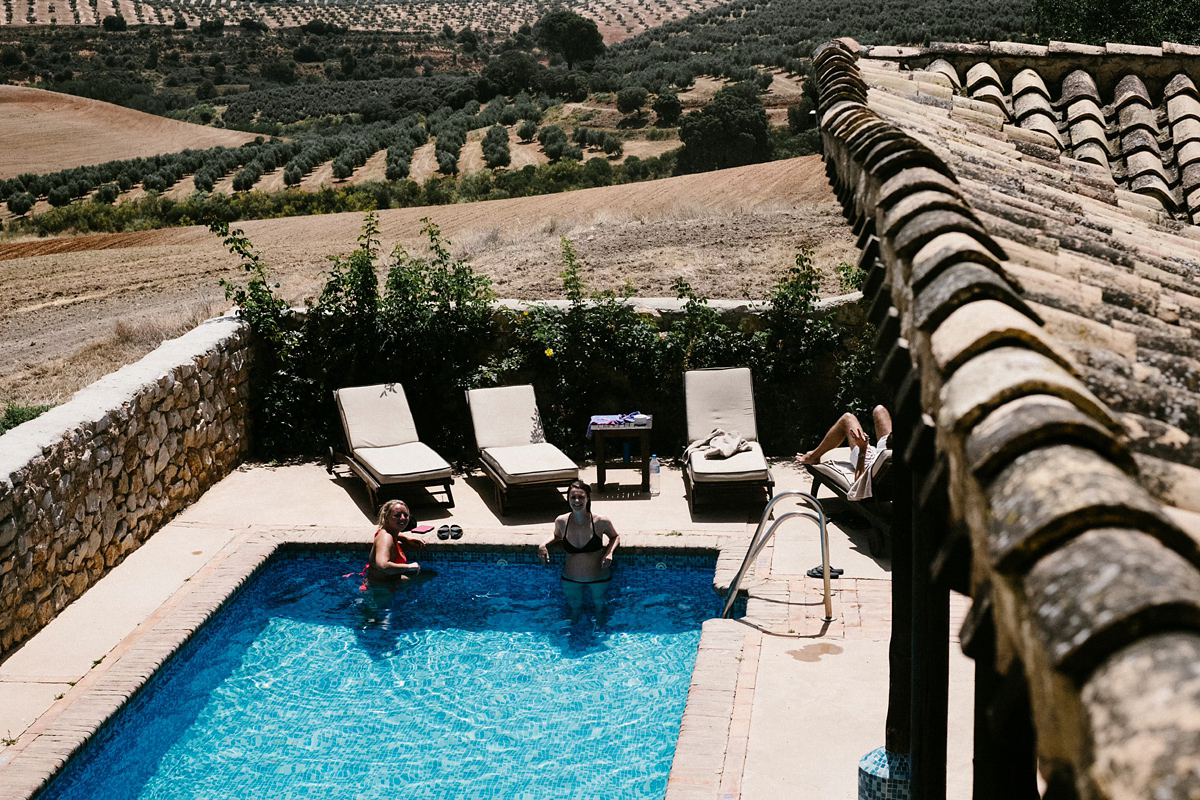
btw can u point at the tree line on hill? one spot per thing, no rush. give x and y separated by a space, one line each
733 129
158 210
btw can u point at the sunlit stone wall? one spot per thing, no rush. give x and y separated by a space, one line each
89 481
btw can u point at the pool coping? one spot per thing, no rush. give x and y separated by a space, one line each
713 732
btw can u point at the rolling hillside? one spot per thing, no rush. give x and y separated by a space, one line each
65 302
44 131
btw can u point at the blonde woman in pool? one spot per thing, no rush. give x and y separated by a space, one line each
388 561
581 535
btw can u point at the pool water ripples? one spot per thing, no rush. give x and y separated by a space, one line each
471 685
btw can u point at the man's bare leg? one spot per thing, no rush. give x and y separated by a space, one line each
883 422
846 428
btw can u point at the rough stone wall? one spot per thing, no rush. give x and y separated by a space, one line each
89 481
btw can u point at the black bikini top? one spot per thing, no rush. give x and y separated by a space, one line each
593 544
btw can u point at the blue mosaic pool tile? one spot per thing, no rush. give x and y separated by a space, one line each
475 682
883 775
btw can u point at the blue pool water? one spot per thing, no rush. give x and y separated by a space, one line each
471 685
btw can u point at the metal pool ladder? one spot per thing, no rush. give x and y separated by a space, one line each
760 538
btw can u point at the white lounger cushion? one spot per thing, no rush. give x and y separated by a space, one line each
505 416
376 416
749 465
719 398
403 463
836 468
531 463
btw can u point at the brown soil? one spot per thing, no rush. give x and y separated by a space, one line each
374 170
524 154
470 158
423 163
726 232
75 132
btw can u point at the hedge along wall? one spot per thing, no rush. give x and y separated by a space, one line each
89 481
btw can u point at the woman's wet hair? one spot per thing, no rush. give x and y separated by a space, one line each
386 509
586 488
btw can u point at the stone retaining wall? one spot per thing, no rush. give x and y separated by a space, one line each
87 482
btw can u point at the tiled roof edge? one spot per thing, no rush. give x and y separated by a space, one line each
1051 50
1078 577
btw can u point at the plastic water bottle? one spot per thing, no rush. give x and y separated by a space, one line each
655 476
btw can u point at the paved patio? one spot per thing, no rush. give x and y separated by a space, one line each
810 696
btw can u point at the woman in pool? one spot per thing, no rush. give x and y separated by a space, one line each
589 559
388 564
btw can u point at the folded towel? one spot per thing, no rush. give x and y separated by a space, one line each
718 444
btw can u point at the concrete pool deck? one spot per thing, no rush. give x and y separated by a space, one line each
799 701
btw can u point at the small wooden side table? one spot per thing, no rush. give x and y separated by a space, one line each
603 433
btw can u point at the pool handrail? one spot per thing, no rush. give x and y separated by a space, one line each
760 538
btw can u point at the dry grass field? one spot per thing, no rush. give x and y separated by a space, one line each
44 131
74 308
617 19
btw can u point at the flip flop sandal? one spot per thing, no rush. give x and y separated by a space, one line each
456 531
444 532
819 572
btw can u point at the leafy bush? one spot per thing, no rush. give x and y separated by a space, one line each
631 99
18 413
428 330
19 203
433 328
495 147
731 131
667 108
568 34
1147 22
850 276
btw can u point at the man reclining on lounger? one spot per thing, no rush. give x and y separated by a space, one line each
862 454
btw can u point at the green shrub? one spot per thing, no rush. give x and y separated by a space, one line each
18 413
433 329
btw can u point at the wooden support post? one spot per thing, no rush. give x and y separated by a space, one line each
899 717
1005 762
930 659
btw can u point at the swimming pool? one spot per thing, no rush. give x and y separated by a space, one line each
469 685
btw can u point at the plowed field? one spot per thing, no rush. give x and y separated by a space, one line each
725 232
74 132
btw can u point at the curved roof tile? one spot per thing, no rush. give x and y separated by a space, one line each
1028 444
982 74
944 67
1130 89
1027 80
1079 84
1180 84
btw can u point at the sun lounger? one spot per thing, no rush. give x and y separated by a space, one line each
512 443
836 472
381 441
723 399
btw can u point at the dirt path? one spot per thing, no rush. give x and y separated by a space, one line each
524 154
470 159
374 170
725 232
423 163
